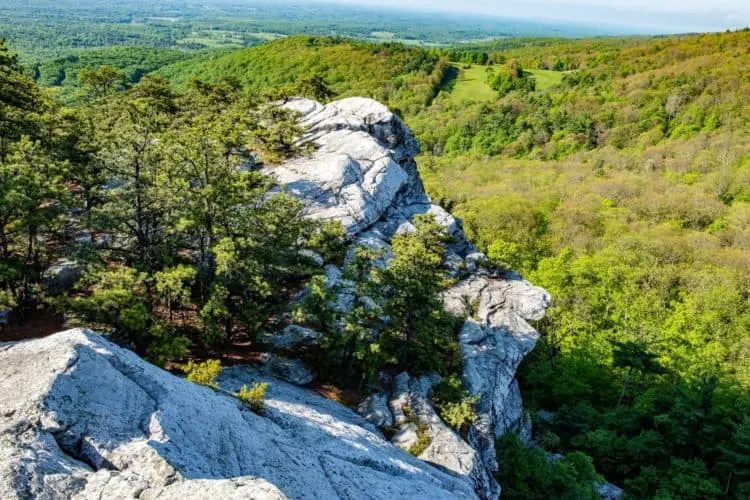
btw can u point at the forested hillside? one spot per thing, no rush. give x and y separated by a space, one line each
133 63
623 190
613 172
405 78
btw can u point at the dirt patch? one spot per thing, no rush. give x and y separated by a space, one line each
347 397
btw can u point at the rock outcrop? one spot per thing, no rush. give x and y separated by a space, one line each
494 340
363 174
83 418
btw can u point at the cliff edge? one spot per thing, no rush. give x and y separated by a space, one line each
83 418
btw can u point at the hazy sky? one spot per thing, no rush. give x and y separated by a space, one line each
658 15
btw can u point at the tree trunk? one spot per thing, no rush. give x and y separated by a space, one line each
4 243
729 483
409 327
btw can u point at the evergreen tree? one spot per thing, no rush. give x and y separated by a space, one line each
418 331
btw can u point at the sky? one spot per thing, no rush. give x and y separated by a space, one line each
662 16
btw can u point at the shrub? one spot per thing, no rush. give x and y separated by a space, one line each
423 437
423 440
461 413
203 373
454 404
330 242
254 396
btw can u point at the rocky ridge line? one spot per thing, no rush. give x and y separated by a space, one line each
82 418
376 199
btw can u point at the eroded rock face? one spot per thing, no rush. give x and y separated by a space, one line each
293 371
293 336
83 418
494 341
363 174
608 491
375 410
62 275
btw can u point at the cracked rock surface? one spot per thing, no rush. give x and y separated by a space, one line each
494 340
83 418
363 174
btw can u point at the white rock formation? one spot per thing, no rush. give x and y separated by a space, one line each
494 341
292 337
83 418
363 174
80 417
375 410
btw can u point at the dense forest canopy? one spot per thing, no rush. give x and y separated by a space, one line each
614 172
622 188
405 78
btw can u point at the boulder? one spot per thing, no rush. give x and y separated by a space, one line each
62 275
400 399
293 336
413 414
314 257
375 410
293 371
446 447
83 418
406 436
608 491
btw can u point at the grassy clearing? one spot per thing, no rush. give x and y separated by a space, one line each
471 84
546 79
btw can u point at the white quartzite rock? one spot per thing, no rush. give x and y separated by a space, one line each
62 275
363 174
83 418
293 371
375 410
494 341
293 336
609 491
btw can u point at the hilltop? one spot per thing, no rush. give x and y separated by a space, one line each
404 78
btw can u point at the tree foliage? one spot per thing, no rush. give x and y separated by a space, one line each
394 317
